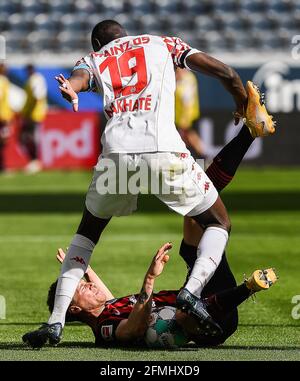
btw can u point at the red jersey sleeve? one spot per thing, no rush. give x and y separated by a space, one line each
179 50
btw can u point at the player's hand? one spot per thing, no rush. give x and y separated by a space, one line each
159 261
60 256
239 112
67 91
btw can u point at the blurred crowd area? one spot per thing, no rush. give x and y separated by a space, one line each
212 25
34 136
45 38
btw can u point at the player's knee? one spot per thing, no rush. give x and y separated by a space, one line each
223 224
226 224
224 220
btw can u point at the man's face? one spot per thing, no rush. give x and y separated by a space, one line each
88 296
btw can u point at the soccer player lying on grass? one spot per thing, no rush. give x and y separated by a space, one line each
221 292
94 304
125 320
221 172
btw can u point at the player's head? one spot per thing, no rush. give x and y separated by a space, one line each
30 69
105 32
87 299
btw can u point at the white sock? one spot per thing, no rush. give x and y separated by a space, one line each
209 255
73 269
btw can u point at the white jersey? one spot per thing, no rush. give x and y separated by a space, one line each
136 75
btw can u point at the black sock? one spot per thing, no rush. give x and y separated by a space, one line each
230 157
225 301
189 254
91 227
225 164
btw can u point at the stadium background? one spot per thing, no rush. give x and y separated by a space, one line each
41 212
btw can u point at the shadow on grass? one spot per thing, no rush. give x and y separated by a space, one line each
193 347
74 202
7 346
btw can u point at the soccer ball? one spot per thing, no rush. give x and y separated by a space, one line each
163 331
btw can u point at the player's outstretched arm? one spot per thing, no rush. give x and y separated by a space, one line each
69 88
90 275
137 323
230 79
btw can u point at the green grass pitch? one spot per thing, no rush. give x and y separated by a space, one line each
40 213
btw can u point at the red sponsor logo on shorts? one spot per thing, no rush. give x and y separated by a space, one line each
183 155
79 259
206 186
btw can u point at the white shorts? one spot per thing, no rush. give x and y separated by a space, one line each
174 178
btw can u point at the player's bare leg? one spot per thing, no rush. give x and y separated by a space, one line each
73 269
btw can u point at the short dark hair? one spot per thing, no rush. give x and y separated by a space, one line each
105 32
50 303
30 67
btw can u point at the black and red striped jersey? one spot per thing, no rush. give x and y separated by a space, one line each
119 309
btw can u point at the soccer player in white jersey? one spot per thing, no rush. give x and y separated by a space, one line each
136 75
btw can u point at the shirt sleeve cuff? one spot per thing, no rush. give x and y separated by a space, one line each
87 68
192 51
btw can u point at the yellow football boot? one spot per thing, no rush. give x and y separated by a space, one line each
256 117
261 280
